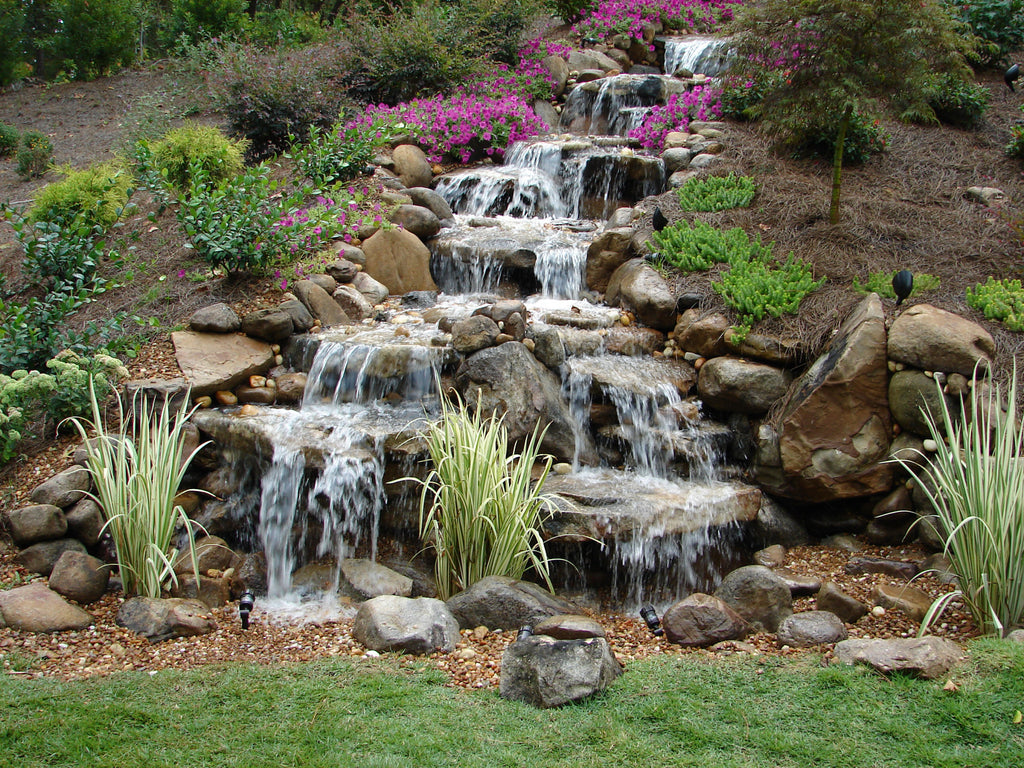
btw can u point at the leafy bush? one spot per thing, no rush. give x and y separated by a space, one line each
999 300
480 510
98 194
94 38
282 27
755 288
716 193
192 146
699 246
34 154
864 138
957 102
570 11
9 138
338 154
881 283
136 472
998 25
193 20
12 36
976 486
1016 146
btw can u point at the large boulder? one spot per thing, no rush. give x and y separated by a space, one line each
80 577
399 260
412 625
933 339
701 620
428 198
37 608
35 523
925 657
85 521
607 252
63 489
638 287
412 166
911 394
320 303
159 619
835 427
417 219
212 362
500 602
739 386
368 579
758 595
546 672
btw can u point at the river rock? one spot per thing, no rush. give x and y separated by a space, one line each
702 334
811 628
40 558
638 287
416 219
80 577
374 291
320 304
988 196
775 525
85 521
211 591
213 362
547 345
302 320
569 626
904 598
898 568
676 159
431 200
588 58
63 489
559 71
271 325
353 303
412 625
759 596
35 523
835 426
799 584
159 619
911 391
412 166
607 252
700 620
369 579
37 608
500 602
546 672
212 554
473 334
509 380
343 270
399 260
735 385
770 557
290 387
933 339
216 318
925 657
349 252
832 599
547 113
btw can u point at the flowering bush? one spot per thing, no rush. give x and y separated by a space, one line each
701 103
611 17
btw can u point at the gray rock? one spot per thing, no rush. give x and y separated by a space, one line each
547 113
899 568
547 345
349 253
909 393
353 303
40 558
499 602
473 334
926 657
159 619
412 625
374 291
700 620
302 320
412 166
588 58
904 598
811 628
80 577
988 196
559 71
676 159
701 161
63 489
212 554
843 541
399 260
343 271
757 595
37 608
933 339
431 200
214 362
85 521
328 283
638 287
416 219
369 579
569 627
1016 636
774 525
831 598
940 567
39 522
739 386
546 672
320 304
271 325
216 318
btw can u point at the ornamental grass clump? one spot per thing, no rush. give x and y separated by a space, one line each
480 511
136 472
975 481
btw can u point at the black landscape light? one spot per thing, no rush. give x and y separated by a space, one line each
524 632
658 220
245 604
1011 75
649 615
902 285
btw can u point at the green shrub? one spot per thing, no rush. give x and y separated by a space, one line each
337 154
282 27
194 20
999 300
9 138
951 100
570 11
755 288
192 146
12 37
997 24
699 246
480 510
716 193
98 194
34 154
864 138
94 38
1016 146
881 283
974 482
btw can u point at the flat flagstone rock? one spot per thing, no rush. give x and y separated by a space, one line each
369 579
37 608
159 619
214 362
569 627
925 657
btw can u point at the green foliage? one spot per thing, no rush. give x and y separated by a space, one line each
480 511
136 473
570 11
999 300
979 498
193 20
337 154
699 246
34 153
997 24
98 194
94 38
181 151
864 138
9 139
950 100
282 27
1016 146
881 283
755 289
716 193
12 36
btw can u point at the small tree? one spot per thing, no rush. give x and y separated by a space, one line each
842 56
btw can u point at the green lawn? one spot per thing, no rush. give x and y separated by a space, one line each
665 712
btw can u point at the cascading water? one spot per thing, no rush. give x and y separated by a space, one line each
696 54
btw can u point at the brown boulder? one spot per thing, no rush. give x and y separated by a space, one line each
399 260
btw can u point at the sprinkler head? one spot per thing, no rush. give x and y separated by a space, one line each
245 605
649 615
524 632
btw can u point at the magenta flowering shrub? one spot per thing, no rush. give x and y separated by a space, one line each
701 103
611 17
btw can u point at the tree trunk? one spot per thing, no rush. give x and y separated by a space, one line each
837 163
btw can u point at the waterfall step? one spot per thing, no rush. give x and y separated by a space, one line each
696 54
616 104
638 375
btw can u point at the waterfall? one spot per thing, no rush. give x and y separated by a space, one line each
704 55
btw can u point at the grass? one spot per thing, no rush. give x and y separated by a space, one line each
672 711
